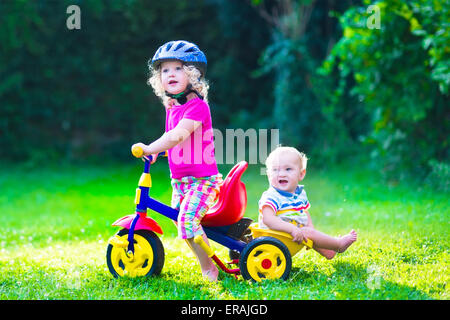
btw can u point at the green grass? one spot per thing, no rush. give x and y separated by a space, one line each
56 223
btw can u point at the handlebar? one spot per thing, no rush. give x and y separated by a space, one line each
138 152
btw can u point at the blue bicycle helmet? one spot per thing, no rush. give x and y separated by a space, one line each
183 51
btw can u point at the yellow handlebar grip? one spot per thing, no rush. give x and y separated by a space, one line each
199 240
138 152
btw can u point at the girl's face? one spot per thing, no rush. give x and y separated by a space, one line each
285 173
174 79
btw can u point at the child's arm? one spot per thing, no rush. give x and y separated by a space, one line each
171 138
271 220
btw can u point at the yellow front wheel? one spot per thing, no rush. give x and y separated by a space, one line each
147 259
265 258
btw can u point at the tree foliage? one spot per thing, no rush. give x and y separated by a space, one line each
302 34
336 87
397 75
75 94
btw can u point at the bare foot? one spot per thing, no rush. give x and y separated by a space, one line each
211 274
347 240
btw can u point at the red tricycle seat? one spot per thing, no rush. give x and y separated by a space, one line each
232 201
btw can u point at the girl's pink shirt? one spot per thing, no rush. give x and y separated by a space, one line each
195 155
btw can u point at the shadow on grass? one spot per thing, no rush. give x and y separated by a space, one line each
166 286
355 282
345 281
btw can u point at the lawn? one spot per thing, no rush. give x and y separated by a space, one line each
56 222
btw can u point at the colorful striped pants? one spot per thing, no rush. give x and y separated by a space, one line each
193 197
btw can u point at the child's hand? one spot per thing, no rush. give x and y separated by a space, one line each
154 157
141 146
145 154
298 235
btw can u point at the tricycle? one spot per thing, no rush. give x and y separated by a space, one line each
257 254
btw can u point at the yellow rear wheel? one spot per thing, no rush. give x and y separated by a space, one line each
147 259
265 258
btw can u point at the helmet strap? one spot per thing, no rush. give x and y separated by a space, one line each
182 96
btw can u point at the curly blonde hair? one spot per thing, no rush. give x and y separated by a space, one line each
198 82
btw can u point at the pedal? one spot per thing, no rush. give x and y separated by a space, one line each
234 261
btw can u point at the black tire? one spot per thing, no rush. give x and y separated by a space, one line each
265 258
147 246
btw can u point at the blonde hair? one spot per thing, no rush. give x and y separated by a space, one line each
280 150
198 82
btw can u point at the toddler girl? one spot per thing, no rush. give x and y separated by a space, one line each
177 78
284 206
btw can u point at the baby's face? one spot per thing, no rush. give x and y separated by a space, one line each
174 79
285 173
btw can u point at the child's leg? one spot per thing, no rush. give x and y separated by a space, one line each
329 254
209 269
323 241
206 263
198 199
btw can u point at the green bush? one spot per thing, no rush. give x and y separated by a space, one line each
302 33
82 94
399 77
